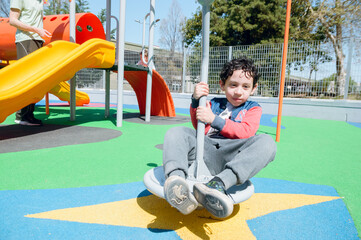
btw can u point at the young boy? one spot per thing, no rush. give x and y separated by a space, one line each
232 151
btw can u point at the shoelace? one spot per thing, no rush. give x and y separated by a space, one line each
216 185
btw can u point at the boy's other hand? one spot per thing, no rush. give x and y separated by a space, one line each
205 114
201 89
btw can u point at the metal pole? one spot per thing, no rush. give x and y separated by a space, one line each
283 71
230 53
143 35
348 70
184 70
150 62
72 34
143 39
117 41
107 72
201 170
121 62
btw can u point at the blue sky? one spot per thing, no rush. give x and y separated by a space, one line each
137 9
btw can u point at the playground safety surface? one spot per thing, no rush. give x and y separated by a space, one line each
83 180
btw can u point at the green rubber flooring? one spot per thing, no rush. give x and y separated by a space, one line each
310 151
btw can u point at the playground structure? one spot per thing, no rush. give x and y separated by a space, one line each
162 104
54 63
62 91
88 26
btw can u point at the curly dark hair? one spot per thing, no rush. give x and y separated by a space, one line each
241 63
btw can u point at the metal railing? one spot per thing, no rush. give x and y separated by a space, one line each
313 70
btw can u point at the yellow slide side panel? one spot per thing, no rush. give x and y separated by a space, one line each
62 91
30 78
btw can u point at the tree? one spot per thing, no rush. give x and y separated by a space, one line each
240 22
62 7
56 7
171 39
334 19
171 28
4 8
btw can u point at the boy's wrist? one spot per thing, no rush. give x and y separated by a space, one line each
218 123
195 102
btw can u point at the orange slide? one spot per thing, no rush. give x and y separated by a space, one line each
45 68
162 101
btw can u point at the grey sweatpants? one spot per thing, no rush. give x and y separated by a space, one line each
234 161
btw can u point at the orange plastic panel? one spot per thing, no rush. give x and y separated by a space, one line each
162 101
87 26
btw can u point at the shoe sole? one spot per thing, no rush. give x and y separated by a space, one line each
25 123
217 203
177 194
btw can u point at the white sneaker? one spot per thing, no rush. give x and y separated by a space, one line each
215 201
177 193
31 121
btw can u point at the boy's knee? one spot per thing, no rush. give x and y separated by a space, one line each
268 145
177 132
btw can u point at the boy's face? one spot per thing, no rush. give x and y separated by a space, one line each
238 87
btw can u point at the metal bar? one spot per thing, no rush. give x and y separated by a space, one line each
117 41
230 53
107 72
348 70
143 39
184 69
201 170
121 34
72 34
283 71
47 111
107 93
148 102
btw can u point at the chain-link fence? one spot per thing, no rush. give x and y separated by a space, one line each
314 69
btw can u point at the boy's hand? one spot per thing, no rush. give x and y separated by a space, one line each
201 89
205 114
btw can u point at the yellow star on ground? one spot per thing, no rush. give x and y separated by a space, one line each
156 213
